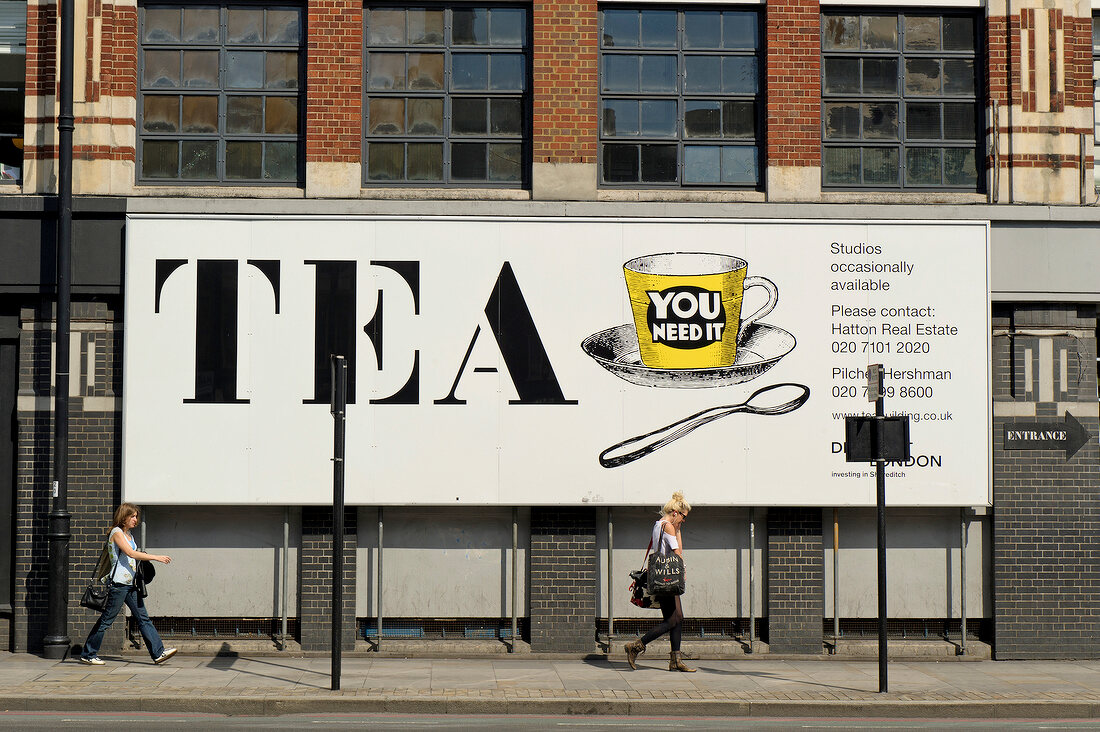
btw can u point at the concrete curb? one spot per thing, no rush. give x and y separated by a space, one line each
336 702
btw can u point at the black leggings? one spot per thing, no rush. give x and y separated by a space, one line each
674 617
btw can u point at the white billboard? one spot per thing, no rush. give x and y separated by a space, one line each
551 361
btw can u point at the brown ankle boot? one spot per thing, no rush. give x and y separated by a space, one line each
676 663
633 650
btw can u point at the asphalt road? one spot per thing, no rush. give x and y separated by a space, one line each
391 722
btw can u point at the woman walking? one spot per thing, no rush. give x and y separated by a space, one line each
124 557
667 539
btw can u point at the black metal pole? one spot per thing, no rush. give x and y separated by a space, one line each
339 408
880 485
56 643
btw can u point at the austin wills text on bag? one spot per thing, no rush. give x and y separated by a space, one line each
666 575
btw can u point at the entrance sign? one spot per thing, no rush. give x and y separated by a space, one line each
1069 435
532 361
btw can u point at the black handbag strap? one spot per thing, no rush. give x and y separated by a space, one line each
633 582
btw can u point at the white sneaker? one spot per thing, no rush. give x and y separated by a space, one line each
93 661
168 653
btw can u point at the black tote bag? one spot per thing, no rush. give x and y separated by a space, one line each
666 575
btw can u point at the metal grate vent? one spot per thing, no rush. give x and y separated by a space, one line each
704 628
214 628
443 628
911 628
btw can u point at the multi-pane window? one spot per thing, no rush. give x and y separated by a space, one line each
1096 93
679 97
899 101
13 49
446 95
220 98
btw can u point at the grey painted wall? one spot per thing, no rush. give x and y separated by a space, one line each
456 562
226 561
1039 261
441 562
922 564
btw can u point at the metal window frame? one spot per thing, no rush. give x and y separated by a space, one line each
903 143
18 90
1096 96
680 139
222 91
446 138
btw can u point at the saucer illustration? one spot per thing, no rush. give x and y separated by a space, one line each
759 348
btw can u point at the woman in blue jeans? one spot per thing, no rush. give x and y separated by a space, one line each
124 558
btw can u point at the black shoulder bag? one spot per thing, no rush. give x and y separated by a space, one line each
639 592
98 592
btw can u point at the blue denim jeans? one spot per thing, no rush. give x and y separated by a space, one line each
120 594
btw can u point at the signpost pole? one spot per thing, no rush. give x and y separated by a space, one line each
339 373
876 440
875 374
962 584
836 580
752 577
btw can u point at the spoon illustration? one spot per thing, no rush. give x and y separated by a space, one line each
762 401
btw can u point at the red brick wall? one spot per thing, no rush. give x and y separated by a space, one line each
1078 55
334 85
565 77
333 78
1004 66
118 60
1074 90
117 72
41 48
118 51
565 81
792 84
997 45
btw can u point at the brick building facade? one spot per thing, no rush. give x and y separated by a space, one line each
777 111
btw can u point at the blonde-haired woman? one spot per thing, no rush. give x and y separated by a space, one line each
667 539
124 557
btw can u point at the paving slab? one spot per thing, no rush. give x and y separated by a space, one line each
201 684
829 687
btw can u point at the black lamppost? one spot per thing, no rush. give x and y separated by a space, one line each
56 643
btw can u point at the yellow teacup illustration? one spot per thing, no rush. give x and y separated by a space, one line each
687 307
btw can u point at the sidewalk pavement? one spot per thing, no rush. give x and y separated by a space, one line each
767 687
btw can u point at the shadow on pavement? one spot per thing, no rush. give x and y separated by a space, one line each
624 666
228 663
